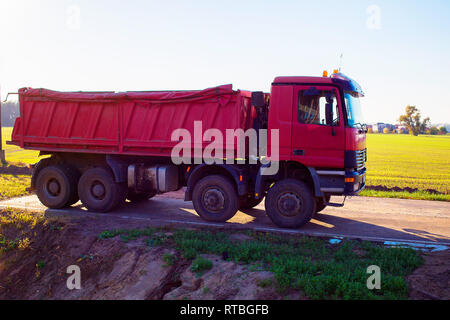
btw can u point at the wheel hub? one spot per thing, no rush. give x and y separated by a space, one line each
98 190
214 200
53 187
289 204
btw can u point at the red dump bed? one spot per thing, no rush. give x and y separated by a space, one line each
135 123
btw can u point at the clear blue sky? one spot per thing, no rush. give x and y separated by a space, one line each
153 45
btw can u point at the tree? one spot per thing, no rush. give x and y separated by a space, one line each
434 130
412 120
442 130
10 111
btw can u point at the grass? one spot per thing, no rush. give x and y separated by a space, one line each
13 185
169 259
421 162
22 223
310 265
417 195
200 265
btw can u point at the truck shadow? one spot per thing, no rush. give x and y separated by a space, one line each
324 223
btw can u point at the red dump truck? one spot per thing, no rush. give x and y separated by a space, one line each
106 147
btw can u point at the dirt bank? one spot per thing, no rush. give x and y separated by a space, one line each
111 269
35 252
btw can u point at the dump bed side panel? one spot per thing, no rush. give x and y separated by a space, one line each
134 123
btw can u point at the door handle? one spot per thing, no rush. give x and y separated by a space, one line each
298 152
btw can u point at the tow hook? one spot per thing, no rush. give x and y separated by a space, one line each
338 205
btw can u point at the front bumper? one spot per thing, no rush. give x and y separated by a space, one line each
355 182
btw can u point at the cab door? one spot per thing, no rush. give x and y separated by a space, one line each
317 140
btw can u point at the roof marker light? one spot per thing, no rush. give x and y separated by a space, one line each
325 73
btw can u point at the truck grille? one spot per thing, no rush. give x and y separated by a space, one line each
361 158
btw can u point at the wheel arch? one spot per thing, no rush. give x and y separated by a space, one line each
204 170
289 169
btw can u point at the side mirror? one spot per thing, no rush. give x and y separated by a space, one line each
258 99
329 114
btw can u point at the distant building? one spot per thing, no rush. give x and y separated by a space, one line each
380 126
401 129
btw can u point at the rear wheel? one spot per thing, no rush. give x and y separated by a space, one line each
99 192
290 203
133 196
56 186
248 202
215 199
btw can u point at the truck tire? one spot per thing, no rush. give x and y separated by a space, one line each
320 205
99 192
290 203
138 197
56 186
248 202
215 198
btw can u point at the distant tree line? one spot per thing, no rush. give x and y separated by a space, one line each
10 111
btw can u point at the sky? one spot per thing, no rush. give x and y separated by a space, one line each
398 51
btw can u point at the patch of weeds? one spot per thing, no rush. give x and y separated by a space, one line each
169 259
156 240
7 245
24 243
206 290
20 219
127 234
265 283
200 265
310 264
40 264
84 257
55 227
189 253
143 272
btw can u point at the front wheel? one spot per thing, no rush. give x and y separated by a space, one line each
290 203
215 199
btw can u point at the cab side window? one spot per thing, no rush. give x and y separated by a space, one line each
312 106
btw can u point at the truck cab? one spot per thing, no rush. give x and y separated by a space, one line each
322 135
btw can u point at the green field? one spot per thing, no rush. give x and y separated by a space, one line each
421 162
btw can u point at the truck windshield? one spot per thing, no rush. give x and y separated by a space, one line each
353 107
